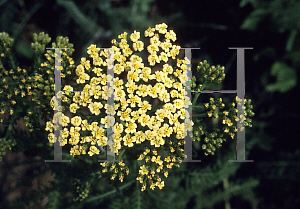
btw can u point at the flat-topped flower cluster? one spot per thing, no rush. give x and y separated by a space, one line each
136 121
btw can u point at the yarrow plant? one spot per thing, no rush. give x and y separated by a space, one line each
156 131
149 102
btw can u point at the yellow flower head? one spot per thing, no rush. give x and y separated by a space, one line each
149 32
135 36
76 121
123 36
162 28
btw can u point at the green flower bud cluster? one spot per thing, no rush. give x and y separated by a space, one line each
213 105
33 85
17 87
80 190
29 122
41 83
13 87
178 147
6 144
194 86
67 63
212 141
229 117
5 44
11 84
21 85
63 42
39 42
198 132
210 74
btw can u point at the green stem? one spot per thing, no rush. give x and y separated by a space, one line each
226 186
122 122
94 117
290 41
78 85
203 115
12 61
198 107
159 199
10 126
38 61
83 115
91 199
121 153
195 98
1 64
25 20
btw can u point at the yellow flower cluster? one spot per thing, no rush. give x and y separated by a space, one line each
148 172
135 85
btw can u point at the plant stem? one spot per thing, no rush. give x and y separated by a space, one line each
83 115
290 41
1 64
10 126
91 199
121 153
122 122
195 98
198 107
200 115
12 61
94 117
226 186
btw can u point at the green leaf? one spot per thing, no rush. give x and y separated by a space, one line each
100 196
136 198
244 2
286 78
54 197
86 24
268 52
290 41
117 203
294 56
236 189
252 21
25 20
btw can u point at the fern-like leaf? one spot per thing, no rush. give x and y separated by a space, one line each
84 22
136 197
116 204
53 200
286 78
